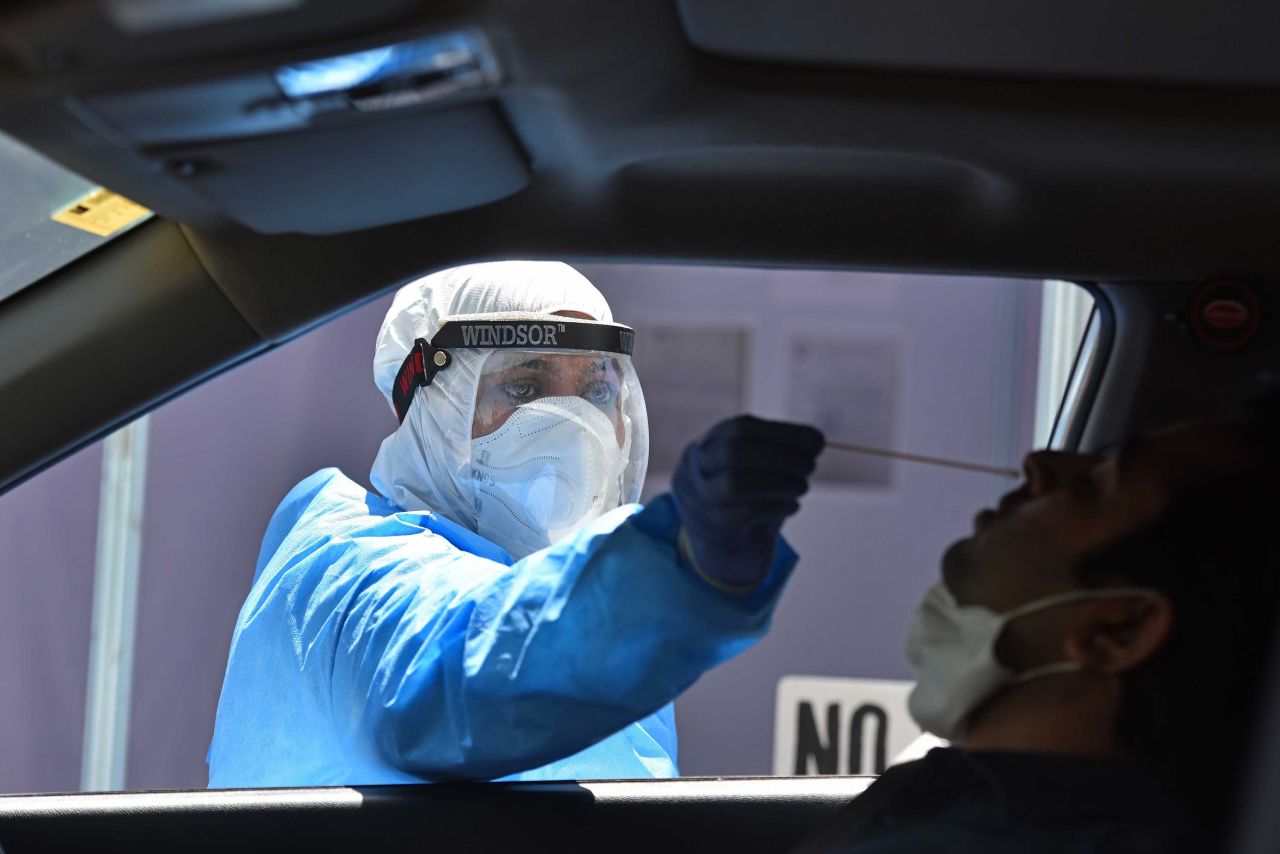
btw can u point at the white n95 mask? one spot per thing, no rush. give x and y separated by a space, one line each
953 649
552 467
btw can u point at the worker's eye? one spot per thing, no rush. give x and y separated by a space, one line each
599 392
521 390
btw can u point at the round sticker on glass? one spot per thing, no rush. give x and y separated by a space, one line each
1225 315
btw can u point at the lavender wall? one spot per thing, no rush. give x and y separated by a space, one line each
223 456
48 534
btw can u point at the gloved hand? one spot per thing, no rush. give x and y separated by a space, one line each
735 487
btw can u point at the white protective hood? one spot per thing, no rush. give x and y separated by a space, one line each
416 467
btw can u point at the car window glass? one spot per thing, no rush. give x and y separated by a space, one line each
33 243
946 367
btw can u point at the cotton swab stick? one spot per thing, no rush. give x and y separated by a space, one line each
932 461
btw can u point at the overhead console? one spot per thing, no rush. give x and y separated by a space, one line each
337 136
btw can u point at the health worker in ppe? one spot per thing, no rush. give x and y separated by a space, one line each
501 607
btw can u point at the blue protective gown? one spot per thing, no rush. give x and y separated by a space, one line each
379 645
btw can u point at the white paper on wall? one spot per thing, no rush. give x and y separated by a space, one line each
847 387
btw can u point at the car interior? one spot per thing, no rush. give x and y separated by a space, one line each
1133 149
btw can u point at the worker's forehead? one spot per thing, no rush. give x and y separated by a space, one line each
542 360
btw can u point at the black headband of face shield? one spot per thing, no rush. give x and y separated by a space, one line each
426 359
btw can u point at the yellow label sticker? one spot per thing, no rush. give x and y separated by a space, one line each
101 212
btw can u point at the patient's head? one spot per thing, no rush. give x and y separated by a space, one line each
1167 677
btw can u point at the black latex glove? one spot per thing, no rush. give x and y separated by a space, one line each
735 487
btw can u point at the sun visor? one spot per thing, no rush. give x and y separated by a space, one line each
357 177
334 143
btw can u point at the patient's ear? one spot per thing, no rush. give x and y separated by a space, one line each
1116 635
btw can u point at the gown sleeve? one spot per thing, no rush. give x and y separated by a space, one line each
448 665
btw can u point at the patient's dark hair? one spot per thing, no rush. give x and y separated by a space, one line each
1187 715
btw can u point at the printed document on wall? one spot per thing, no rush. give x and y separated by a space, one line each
847 387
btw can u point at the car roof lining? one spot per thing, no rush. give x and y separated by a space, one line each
1092 39
1140 195
643 148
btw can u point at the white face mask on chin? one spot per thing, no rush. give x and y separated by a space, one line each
953 649
552 467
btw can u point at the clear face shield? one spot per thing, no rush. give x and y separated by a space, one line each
559 433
